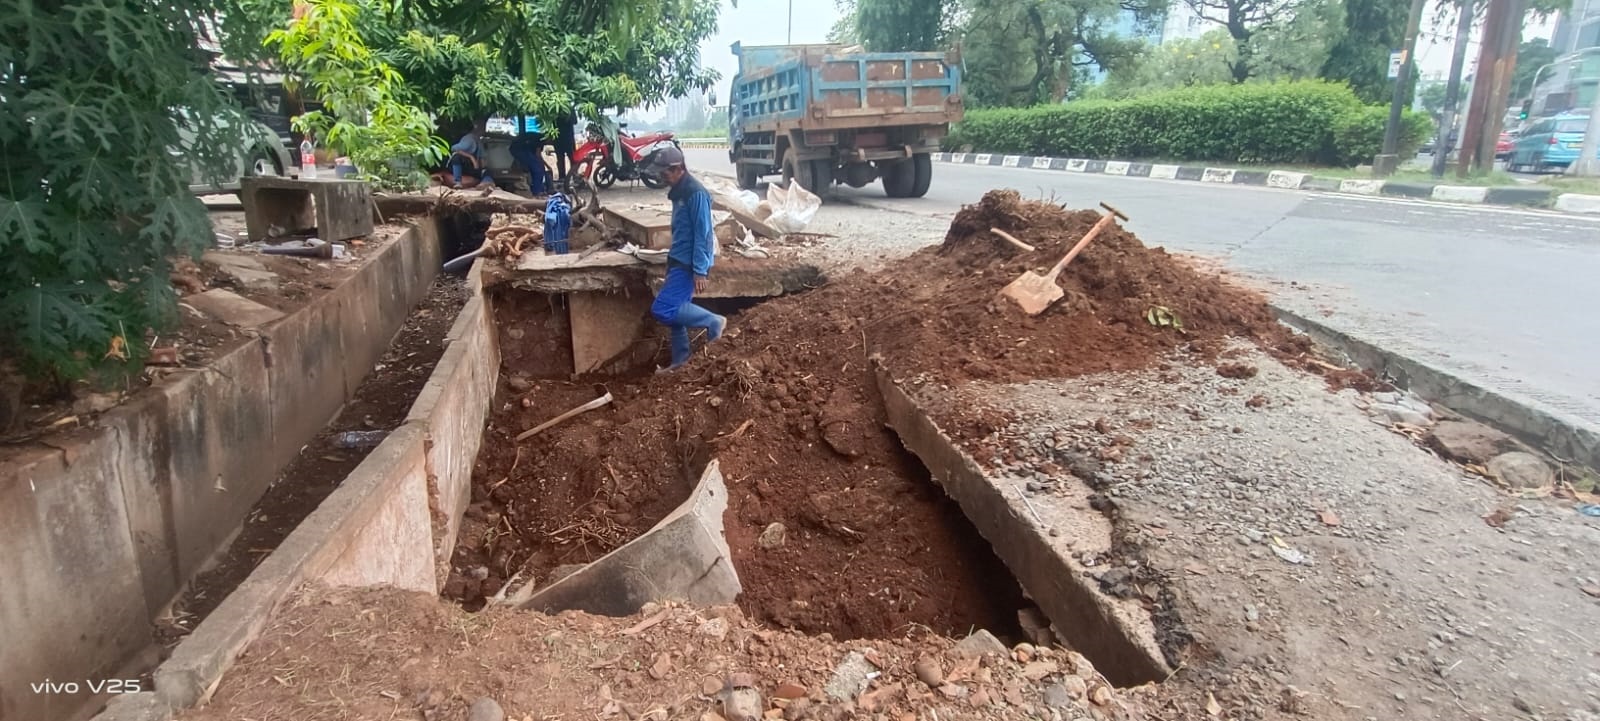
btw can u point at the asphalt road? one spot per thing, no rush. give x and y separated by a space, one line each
1509 299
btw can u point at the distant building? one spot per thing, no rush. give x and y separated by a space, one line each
1129 26
1571 81
1183 23
1577 28
680 109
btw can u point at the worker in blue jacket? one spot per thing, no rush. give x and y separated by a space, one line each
689 261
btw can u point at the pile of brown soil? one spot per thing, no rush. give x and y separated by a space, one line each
788 404
957 328
388 654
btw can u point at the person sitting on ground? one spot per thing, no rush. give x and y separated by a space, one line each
467 154
689 261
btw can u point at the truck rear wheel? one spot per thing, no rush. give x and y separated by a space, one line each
749 176
821 178
921 174
899 178
803 172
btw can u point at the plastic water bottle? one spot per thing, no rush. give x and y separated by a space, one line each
308 160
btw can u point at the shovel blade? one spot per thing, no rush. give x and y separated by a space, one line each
1033 292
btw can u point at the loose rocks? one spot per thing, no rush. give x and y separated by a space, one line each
1521 470
1469 442
485 709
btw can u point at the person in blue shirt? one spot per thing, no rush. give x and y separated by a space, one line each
690 259
528 149
467 154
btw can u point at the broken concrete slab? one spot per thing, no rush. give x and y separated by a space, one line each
248 272
684 557
1469 441
232 308
1117 634
337 209
980 643
608 270
604 326
850 678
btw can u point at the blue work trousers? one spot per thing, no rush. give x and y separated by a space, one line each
674 308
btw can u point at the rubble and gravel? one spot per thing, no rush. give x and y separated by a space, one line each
1403 602
337 654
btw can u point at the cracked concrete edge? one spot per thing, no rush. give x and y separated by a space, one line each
1565 437
201 661
1509 196
684 557
1118 637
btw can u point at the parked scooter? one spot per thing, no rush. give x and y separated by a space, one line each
597 164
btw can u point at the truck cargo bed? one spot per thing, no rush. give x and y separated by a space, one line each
820 87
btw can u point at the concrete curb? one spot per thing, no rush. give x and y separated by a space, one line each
1513 196
383 525
1116 635
1564 437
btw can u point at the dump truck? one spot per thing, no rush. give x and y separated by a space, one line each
825 114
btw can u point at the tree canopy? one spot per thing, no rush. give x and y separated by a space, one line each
902 25
113 112
1372 29
1531 56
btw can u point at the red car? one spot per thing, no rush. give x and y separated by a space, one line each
1502 147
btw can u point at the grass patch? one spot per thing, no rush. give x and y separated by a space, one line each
1494 179
1565 184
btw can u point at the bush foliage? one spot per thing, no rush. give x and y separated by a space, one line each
1309 122
109 112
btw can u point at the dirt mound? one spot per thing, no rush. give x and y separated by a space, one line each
387 654
1102 324
787 403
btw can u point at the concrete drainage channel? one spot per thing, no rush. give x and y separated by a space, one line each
631 503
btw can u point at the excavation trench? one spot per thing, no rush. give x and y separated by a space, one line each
832 525
821 409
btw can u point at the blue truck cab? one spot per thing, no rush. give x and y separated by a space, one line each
821 114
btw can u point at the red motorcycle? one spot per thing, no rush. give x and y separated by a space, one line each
596 163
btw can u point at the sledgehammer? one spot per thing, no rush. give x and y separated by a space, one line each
1036 292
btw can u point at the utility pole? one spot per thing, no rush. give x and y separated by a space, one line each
1388 160
1586 164
1500 90
1482 86
789 40
1452 93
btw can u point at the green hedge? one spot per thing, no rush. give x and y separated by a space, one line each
1309 122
